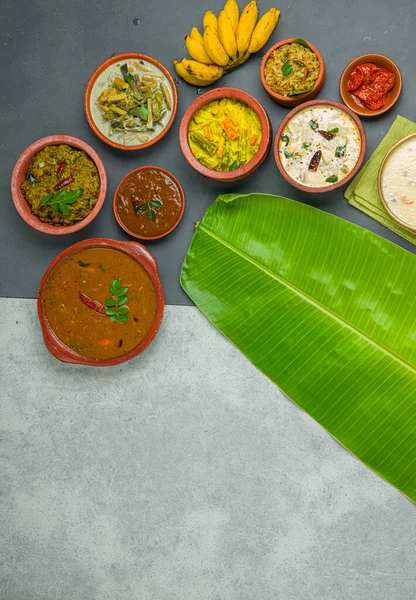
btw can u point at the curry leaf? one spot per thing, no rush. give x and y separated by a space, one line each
331 179
143 113
287 68
340 151
124 69
151 213
156 203
313 124
331 323
233 166
285 139
46 199
333 131
301 42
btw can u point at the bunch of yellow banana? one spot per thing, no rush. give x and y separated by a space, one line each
227 42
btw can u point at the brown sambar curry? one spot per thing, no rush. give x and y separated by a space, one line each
100 302
149 202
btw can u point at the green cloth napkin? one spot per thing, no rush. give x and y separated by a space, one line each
363 190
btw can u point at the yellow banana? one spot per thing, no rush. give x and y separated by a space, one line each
183 73
211 20
204 72
195 35
246 25
214 47
197 50
227 35
232 10
263 30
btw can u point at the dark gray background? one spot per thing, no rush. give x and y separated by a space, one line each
50 48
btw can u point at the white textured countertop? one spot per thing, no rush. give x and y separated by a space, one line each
184 474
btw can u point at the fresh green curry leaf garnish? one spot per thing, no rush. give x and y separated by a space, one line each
143 113
313 124
333 131
116 306
299 63
331 179
306 145
302 91
156 203
285 139
124 69
233 166
59 201
128 78
301 42
83 264
150 208
287 68
287 154
340 151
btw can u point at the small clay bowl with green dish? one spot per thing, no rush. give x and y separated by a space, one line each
296 99
149 203
49 178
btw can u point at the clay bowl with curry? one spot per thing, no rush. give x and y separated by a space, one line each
59 185
100 302
149 203
225 134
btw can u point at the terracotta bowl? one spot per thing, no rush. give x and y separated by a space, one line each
117 216
300 98
258 158
380 61
136 251
380 191
93 79
338 184
19 175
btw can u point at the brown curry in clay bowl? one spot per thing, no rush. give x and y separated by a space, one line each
100 302
148 203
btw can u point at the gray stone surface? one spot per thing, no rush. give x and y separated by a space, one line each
51 47
182 475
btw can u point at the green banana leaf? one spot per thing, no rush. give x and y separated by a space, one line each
325 309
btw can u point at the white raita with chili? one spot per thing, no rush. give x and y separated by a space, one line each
319 146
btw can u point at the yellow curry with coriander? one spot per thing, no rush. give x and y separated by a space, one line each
62 185
224 134
100 302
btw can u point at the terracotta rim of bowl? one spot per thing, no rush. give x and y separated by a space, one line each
133 250
299 98
90 85
350 175
394 93
19 174
258 158
115 198
380 191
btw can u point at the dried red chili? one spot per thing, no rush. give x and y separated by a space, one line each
370 85
60 169
93 304
315 160
326 134
64 182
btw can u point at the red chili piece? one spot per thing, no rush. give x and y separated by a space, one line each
60 169
355 80
93 304
326 134
64 182
372 91
313 165
136 205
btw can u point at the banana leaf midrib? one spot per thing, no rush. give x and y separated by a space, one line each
308 298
